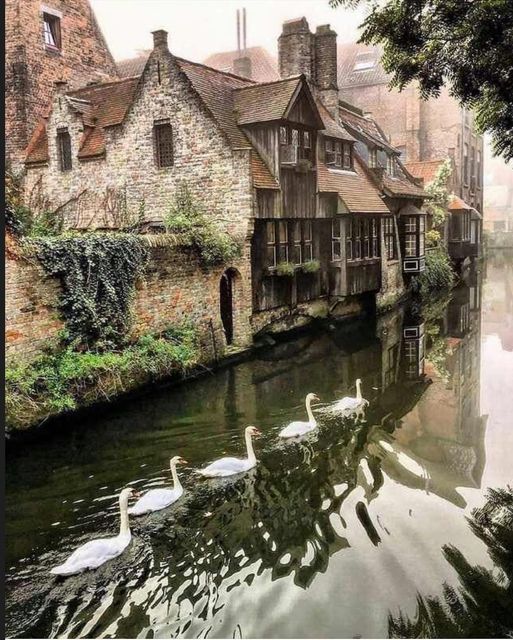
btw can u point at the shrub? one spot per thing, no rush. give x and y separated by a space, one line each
196 229
66 380
285 269
438 274
311 266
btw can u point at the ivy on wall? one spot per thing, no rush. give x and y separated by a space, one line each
196 229
98 272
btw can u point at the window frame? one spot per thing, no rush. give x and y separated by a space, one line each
64 150
164 158
338 154
389 238
52 29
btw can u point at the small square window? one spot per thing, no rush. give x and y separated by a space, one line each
52 31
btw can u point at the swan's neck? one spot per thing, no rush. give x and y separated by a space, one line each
123 511
309 411
358 391
176 479
249 447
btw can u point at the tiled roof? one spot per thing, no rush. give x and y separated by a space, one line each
262 177
457 204
109 101
426 170
332 128
358 124
348 56
215 88
356 189
92 143
265 102
401 186
133 66
37 150
264 67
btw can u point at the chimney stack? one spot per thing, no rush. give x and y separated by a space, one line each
160 39
242 64
325 67
296 49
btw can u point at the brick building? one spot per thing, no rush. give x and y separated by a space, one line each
423 130
274 164
45 42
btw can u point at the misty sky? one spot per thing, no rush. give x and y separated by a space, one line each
198 28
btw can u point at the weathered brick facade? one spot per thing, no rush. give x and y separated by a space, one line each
31 67
174 289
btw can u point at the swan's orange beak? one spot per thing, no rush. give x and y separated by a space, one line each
256 432
183 461
136 494
316 397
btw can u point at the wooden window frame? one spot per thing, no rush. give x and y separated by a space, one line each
299 137
52 29
64 151
270 240
282 240
414 229
373 158
349 240
163 149
297 238
336 240
390 239
307 249
338 154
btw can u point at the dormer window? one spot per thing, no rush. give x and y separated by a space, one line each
339 154
52 31
295 144
364 61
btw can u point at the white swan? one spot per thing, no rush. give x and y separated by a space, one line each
94 553
349 405
299 428
156 499
231 466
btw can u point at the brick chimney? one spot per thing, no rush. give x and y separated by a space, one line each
296 49
242 66
325 67
160 39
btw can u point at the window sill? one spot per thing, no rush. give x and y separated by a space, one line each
54 50
392 262
340 171
359 262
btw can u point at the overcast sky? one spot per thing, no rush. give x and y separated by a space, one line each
198 28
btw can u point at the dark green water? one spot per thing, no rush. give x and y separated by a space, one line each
381 529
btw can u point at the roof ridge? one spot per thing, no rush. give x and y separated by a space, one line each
262 84
223 73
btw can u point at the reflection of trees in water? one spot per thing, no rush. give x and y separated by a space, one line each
482 607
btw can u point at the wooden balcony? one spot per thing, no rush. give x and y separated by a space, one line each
355 277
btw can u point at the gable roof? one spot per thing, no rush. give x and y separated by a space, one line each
264 67
272 100
349 54
331 127
400 186
356 189
108 102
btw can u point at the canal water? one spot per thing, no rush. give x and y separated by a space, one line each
398 526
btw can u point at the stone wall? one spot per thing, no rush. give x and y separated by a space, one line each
174 289
31 69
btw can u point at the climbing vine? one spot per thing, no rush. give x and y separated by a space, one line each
98 273
439 193
196 229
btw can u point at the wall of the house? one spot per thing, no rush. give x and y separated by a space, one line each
174 289
218 176
30 69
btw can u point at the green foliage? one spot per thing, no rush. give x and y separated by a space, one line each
285 269
20 220
466 44
439 194
97 273
68 379
191 223
438 274
433 238
311 266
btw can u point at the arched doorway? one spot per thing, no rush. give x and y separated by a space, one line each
226 303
